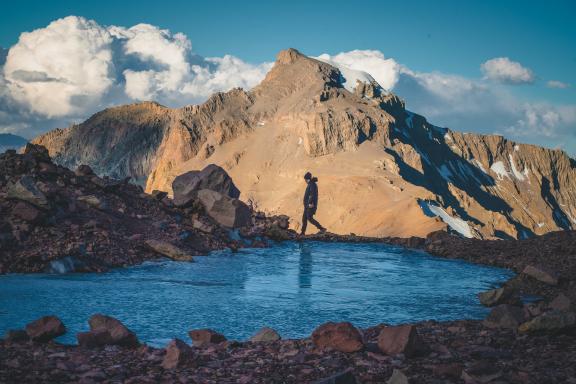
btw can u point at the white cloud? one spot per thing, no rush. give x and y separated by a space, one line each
384 71
504 70
557 84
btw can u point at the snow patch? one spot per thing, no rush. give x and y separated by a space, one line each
516 147
519 175
540 225
455 223
499 169
479 165
350 77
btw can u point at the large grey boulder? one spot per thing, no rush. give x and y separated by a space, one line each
228 212
25 189
187 185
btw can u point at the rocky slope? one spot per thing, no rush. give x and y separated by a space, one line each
383 170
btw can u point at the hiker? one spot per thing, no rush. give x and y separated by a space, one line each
310 204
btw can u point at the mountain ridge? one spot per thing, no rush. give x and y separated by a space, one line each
384 170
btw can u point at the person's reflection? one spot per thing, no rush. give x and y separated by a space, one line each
305 266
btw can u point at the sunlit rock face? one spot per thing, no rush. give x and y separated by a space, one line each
383 170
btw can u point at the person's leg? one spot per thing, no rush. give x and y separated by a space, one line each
304 221
312 220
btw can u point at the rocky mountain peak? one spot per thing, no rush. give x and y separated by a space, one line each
289 56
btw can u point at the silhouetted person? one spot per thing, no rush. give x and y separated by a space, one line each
310 204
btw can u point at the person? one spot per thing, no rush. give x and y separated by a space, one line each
310 204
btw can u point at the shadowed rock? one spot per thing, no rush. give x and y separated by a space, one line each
169 250
343 337
505 316
542 274
228 212
265 335
178 353
119 334
45 329
212 177
201 337
399 339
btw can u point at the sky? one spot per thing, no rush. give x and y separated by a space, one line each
503 67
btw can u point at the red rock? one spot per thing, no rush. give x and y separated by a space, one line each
96 338
399 339
201 337
343 337
178 353
119 334
45 329
26 212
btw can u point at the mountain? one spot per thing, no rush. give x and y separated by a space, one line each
10 141
383 170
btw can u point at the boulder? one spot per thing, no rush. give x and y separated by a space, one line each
25 189
119 334
505 316
45 329
84 170
553 321
202 227
26 212
16 335
228 212
169 250
201 337
178 353
398 377
265 335
214 178
343 337
95 338
561 303
93 201
498 296
542 274
39 152
159 195
399 339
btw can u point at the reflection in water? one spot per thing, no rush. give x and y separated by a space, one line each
305 266
239 293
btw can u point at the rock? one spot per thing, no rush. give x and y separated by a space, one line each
95 338
159 195
481 372
561 303
542 274
26 212
228 212
398 377
178 353
498 296
553 321
453 370
201 337
343 337
16 335
84 170
39 152
214 178
169 250
505 316
25 189
45 329
265 335
399 339
344 377
283 222
202 227
93 201
119 334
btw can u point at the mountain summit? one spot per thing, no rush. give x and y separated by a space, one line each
383 170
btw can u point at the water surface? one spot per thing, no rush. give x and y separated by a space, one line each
291 287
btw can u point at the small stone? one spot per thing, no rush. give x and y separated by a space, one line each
398 377
453 370
119 334
169 250
202 227
561 303
93 201
201 337
265 335
399 339
344 377
159 195
96 338
178 353
542 274
498 296
343 337
45 329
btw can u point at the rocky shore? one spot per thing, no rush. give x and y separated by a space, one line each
56 220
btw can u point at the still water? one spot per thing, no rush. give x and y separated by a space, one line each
291 287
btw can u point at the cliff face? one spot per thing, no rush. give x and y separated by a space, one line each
383 170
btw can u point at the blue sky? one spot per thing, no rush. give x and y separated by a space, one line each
446 37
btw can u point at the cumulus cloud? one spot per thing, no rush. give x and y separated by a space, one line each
557 84
75 66
504 70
